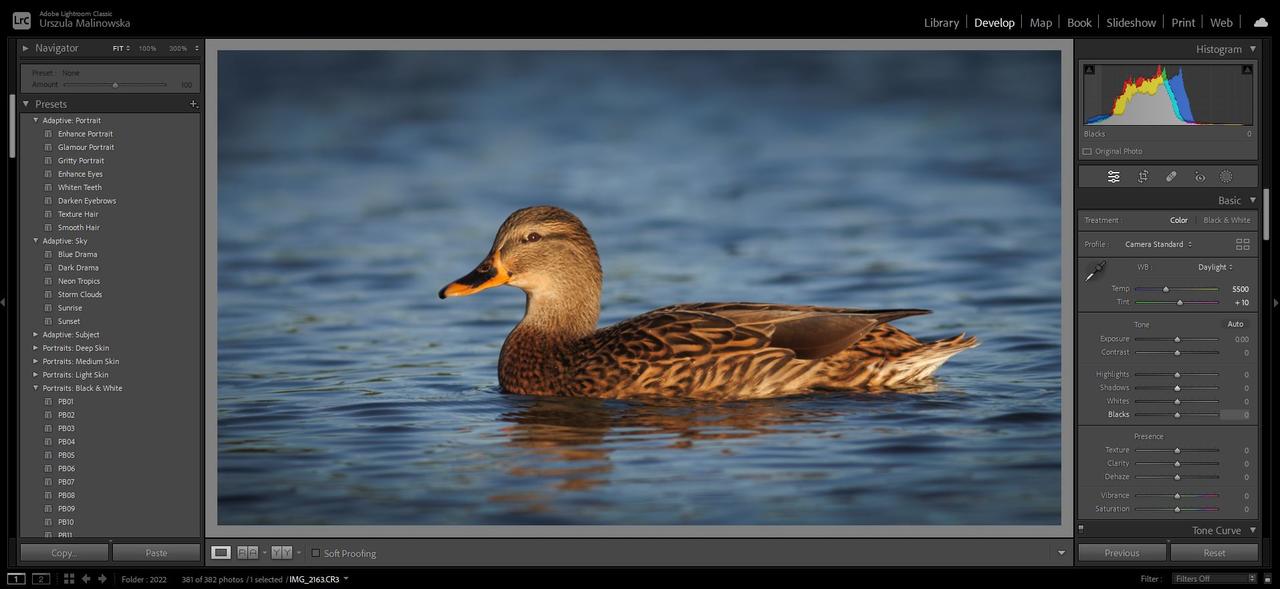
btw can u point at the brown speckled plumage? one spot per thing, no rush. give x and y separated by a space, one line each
697 350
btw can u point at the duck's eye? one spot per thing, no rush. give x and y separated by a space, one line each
532 237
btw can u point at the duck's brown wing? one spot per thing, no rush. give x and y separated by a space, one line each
716 349
672 332
808 332
673 352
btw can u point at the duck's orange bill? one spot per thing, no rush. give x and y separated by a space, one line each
489 274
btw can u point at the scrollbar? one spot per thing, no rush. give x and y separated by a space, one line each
1266 214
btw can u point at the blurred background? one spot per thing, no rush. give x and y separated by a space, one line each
353 185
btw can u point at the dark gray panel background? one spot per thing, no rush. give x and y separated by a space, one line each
1168 220
1180 49
1212 142
1222 198
1159 177
92 47
1237 404
1120 275
1172 143
136 472
126 78
1096 474
543 552
1210 244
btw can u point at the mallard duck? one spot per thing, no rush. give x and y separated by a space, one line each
692 350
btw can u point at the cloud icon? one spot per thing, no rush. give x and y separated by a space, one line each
1260 23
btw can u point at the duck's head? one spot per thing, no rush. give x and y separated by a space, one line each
544 251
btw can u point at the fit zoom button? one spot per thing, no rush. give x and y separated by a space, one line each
1215 552
1123 552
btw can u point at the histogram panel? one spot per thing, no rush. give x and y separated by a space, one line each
1168 94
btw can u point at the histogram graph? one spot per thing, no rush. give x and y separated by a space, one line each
1168 94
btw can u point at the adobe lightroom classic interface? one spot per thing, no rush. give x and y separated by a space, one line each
990 296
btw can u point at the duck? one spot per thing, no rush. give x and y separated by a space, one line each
708 351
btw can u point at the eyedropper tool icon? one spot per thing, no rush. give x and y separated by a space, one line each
1097 269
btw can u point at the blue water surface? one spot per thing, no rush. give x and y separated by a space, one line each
352 186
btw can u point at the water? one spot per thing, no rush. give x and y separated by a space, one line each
352 186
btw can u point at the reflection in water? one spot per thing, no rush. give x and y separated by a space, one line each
555 422
564 440
568 440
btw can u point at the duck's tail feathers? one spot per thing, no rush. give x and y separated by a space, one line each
922 362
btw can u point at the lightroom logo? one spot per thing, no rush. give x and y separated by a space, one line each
21 21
